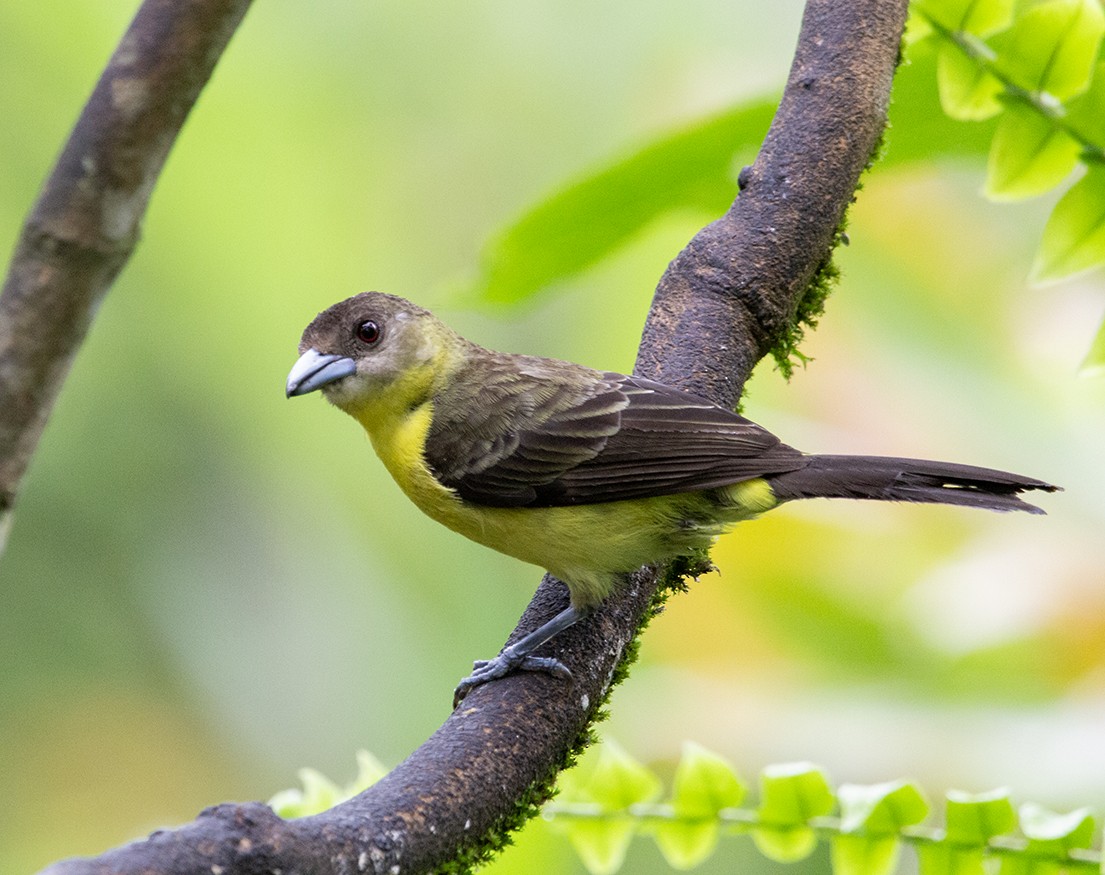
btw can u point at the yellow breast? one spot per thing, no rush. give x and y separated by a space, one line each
586 546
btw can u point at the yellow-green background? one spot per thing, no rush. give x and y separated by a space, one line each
208 586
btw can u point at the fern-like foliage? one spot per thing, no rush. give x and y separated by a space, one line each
603 808
1036 67
611 799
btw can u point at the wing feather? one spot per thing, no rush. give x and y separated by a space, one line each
540 433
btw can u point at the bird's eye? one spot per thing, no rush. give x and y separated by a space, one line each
368 333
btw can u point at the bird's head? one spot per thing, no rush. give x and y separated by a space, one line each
369 349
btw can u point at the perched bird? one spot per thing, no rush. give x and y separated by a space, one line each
585 473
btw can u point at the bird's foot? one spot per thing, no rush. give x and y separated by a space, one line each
517 657
505 663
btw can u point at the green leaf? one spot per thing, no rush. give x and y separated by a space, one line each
1086 113
862 855
1053 46
1051 834
1029 156
920 130
790 795
319 794
704 784
880 809
967 91
917 28
618 781
692 168
1074 236
612 782
685 844
785 844
601 844
1093 365
871 817
943 858
980 17
973 819
1012 864
588 220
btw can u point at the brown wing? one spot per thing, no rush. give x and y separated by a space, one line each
540 433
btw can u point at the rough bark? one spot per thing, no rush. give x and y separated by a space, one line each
723 302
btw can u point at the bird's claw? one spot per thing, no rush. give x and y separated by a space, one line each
505 663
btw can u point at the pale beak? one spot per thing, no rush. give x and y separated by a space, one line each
315 370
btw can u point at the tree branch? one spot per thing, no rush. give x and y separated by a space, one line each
723 302
85 223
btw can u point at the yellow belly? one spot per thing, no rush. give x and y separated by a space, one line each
586 546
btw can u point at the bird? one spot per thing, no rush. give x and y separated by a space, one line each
588 474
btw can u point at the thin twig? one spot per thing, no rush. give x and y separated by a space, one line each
85 224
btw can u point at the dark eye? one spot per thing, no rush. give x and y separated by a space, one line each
368 333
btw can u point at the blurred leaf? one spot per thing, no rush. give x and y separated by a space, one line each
601 844
685 844
1093 364
863 855
1050 837
612 782
1086 112
973 16
618 780
704 784
590 219
920 129
791 794
1053 834
1074 236
785 844
1029 156
586 221
974 819
880 809
838 629
917 28
870 819
967 91
944 858
1053 46
319 793
1013 864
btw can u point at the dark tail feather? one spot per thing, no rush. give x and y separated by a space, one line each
886 479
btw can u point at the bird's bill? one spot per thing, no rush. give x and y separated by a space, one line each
315 370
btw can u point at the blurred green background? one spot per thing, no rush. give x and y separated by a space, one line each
208 586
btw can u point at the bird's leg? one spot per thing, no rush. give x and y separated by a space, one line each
517 656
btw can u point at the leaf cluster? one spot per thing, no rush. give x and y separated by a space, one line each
611 798
605 804
1035 68
1032 69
